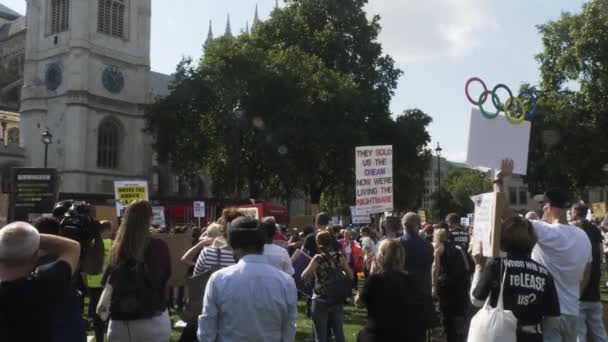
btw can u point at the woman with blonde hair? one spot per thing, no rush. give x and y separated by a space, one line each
139 269
395 309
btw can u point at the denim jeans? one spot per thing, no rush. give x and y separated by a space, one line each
561 329
321 315
591 317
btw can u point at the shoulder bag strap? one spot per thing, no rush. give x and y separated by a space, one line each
219 257
500 304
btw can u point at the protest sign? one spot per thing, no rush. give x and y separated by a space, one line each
599 209
374 184
199 209
359 218
33 193
158 219
491 141
127 192
486 227
300 261
422 215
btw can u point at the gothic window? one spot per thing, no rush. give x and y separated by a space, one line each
108 145
60 16
111 17
13 136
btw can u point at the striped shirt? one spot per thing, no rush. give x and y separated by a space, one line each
208 259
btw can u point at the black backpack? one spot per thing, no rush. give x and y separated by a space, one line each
454 271
338 287
134 296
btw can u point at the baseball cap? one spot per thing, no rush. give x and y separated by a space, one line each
18 241
557 198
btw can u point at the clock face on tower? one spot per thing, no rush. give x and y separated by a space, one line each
53 77
113 79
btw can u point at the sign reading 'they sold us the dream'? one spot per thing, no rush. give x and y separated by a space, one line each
374 185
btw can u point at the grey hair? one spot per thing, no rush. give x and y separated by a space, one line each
411 220
19 241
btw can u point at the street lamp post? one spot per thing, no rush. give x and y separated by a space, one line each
438 151
47 139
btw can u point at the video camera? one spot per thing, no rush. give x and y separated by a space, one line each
76 223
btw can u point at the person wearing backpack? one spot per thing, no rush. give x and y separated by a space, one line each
332 287
529 291
139 269
451 283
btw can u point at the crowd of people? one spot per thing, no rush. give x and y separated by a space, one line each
410 278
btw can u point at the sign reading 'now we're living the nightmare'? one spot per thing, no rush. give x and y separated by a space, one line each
374 171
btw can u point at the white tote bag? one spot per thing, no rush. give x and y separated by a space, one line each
493 324
103 306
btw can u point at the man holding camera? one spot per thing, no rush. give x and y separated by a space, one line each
30 297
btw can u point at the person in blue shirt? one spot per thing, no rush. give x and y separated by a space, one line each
251 300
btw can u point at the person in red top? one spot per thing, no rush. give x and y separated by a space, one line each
352 253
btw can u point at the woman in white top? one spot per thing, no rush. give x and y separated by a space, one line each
368 249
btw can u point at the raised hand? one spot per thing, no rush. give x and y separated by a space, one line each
506 169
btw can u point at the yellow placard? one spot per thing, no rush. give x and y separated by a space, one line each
127 192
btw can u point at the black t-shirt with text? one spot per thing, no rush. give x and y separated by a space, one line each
529 292
28 305
592 291
460 237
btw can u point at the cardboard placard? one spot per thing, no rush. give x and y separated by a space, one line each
178 245
374 183
127 192
492 140
486 226
599 209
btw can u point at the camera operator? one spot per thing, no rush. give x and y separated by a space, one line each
31 297
68 325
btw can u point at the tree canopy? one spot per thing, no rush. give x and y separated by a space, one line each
569 146
280 110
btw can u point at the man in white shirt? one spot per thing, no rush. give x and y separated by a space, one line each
277 256
565 251
252 300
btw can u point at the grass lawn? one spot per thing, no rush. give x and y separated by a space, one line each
354 319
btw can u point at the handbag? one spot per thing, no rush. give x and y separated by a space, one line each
494 324
196 290
105 300
338 287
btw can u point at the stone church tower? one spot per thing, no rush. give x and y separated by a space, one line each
87 79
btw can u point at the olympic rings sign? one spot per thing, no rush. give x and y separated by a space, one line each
515 108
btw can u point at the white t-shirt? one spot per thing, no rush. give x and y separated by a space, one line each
278 257
565 251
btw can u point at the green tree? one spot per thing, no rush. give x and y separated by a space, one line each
569 144
281 110
464 183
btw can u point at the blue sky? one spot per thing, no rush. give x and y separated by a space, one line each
438 44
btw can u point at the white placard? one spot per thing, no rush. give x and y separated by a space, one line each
374 184
482 227
158 218
127 192
492 140
359 218
199 209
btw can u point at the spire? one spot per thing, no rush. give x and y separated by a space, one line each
276 4
228 32
209 33
247 27
256 20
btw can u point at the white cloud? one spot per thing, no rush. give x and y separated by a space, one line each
416 29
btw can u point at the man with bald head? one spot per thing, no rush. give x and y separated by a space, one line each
30 297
